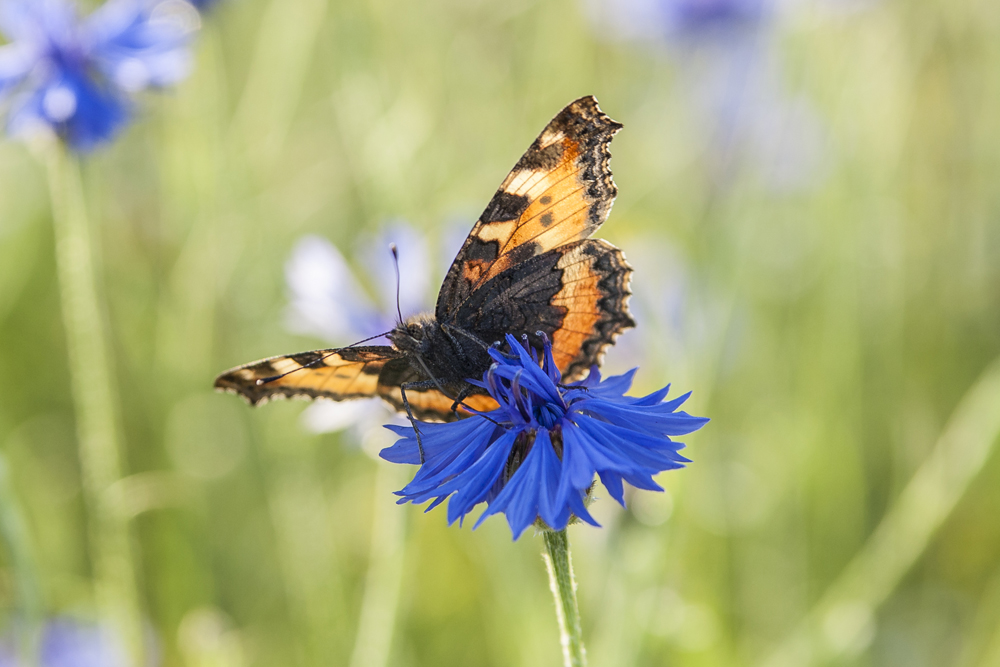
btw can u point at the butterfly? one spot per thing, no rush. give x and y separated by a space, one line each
527 268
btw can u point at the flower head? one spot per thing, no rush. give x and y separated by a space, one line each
77 75
535 457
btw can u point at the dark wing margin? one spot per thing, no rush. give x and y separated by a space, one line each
339 374
576 294
560 191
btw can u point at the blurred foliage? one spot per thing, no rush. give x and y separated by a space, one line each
830 329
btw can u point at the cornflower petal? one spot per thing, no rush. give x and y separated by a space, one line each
437 441
475 485
433 478
16 61
649 419
529 492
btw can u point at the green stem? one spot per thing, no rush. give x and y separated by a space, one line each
373 642
93 403
563 585
17 541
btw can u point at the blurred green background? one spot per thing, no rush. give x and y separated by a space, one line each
810 200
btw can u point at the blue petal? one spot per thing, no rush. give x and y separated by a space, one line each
650 419
81 113
442 447
576 476
436 473
135 47
474 485
436 440
530 492
613 483
16 61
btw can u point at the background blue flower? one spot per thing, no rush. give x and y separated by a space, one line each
66 642
77 75
332 303
536 456
726 55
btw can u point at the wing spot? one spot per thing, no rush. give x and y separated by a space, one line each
546 220
503 207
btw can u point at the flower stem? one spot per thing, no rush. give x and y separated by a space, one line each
563 585
373 643
93 403
16 540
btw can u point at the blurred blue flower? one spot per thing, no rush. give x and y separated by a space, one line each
70 643
328 301
77 75
729 69
535 457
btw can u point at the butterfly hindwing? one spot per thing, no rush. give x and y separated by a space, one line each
576 294
350 372
561 190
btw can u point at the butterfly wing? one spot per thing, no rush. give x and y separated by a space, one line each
524 268
426 404
560 191
350 372
576 294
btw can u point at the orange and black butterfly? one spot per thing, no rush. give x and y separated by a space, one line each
527 268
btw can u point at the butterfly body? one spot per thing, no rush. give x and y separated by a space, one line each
527 267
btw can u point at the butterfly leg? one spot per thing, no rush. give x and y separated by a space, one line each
423 384
462 395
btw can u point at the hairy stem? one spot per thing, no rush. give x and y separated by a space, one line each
93 403
563 586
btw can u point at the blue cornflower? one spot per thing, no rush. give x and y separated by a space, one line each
534 458
727 57
77 75
65 642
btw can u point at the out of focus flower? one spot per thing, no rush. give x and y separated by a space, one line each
70 643
78 75
535 457
728 68
328 301
671 22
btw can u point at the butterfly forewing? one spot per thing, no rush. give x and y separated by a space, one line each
560 191
350 372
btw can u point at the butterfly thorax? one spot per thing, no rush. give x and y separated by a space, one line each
439 351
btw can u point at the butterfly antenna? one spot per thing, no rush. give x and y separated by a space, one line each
316 361
395 264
